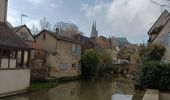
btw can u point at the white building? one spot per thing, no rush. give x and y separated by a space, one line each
14 58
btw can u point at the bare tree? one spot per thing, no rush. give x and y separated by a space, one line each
44 24
66 29
34 30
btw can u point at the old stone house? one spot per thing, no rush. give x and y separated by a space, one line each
86 42
129 53
38 70
14 64
63 53
25 34
106 44
159 34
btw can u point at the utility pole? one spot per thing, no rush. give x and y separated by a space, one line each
22 16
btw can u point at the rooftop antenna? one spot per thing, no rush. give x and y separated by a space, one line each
22 16
161 5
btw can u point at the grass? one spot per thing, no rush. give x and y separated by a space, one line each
41 85
34 86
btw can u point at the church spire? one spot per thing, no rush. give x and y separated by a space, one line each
94 32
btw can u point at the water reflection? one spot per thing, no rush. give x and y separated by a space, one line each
99 89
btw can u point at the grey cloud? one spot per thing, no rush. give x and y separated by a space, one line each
130 18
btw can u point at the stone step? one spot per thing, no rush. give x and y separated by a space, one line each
151 94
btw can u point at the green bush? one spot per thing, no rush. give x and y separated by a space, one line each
106 62
154 74
90 61
151 52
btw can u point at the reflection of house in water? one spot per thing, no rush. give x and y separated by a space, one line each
69 91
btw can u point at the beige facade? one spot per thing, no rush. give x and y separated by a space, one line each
3 10
14 80
24 33
158 37
159 41
62 61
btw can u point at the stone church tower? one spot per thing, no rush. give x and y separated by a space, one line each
94 32
3 10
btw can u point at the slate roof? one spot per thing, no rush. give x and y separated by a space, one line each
121 41
8 38
59 37
84 39
103 42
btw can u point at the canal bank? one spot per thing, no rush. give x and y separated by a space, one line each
37 85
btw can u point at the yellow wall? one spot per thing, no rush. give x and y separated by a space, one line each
63 56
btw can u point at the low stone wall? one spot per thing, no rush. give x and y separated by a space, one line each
38 70
38 74
151 94
13 80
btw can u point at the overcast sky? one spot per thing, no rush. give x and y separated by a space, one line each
120 18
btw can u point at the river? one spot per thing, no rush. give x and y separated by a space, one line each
98 89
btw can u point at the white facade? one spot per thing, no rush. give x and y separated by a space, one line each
3 10
13 81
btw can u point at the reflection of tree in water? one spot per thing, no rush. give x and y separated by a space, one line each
100 89
124 85
39 95
68 91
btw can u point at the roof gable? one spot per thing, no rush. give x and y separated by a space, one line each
103 42
150 41
160 21
8 38
83 39
58 37
26 32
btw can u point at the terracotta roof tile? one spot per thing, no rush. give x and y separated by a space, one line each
33 45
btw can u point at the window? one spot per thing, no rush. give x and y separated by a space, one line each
73 49
44 36
166 38
63 67
73 66
78 49
5 53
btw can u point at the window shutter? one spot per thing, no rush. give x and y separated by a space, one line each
166 39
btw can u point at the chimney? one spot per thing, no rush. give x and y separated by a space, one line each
57 30
3 10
